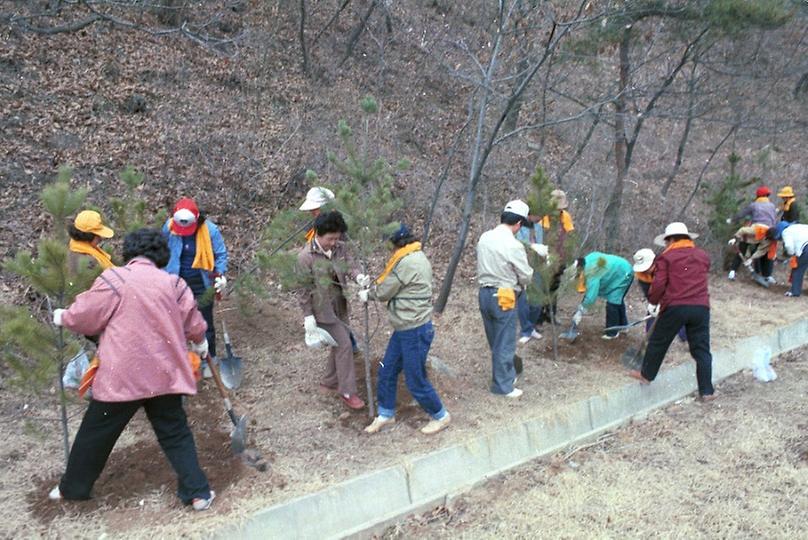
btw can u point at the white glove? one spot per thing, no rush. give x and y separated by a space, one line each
540 249
748 263
363 280
732 242
729 220
363 295
57 317
319 339
653 310
579 314
310 324
200 348
219 283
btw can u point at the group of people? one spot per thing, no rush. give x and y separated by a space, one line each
152 317
763 225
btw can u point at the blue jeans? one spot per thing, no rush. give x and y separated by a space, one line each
798 273
407 350
528 314
500 330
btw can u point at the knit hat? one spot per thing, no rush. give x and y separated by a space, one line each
763 191
643 260
186 215
674 229
402 232
317 197
89 221
787 191
560 199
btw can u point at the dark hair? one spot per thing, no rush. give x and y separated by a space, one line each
581 262
401 242
509 218
78 235
146 242
677 237
330 222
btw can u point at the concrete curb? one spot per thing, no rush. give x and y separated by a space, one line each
363 504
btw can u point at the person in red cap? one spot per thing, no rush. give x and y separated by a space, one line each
197 255
760 212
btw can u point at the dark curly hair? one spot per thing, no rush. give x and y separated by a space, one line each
78 235
330 222
146 242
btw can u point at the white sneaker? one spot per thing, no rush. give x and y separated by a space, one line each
731 275
771 280
515 393
55 494
203 504
524 339
434 426
535 335
379 423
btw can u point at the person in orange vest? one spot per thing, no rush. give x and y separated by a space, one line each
559 225
761 211
316 198
790 210
762 258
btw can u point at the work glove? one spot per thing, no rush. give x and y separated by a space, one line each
579 314
729 220
540 249
732 242
363 280
200 348
653 310
57 317
748 263
219 283
363 295
310 324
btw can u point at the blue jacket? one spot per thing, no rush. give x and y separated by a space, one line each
175 247
610 281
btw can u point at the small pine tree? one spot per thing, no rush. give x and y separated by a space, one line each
725 200
129 212
561 251
31 347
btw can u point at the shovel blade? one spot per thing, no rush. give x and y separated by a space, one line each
238 436
230 371
517 364
569 335
632 358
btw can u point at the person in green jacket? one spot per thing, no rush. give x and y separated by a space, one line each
601 275
406 286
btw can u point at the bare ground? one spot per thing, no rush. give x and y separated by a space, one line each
734 468
310 438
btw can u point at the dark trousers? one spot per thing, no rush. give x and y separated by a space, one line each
548 311
407 351
616 313
743 247
104 422
696 320
194 280
798 273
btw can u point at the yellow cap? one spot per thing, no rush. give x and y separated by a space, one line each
786 192
89 221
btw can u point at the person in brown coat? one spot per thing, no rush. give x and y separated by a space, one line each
327 269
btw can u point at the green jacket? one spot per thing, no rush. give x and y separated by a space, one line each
610 281
408 292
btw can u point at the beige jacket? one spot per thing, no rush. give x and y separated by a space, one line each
324 294
408 292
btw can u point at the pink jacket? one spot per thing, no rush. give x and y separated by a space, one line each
144 316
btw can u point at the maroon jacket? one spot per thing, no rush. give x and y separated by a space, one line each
680 278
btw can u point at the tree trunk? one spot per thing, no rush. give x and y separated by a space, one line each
614 206
302 35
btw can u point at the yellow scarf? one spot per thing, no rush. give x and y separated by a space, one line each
787 204
310 235
85 248
762 199
645 277
679 244
203 260
398 254
566 221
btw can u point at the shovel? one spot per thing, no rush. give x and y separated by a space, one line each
230 365
571 334
760 280
238 436
627 326
632 358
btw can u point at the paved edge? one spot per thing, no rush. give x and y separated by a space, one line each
365 504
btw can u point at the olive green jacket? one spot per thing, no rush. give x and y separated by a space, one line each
407 289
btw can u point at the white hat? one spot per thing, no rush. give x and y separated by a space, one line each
674 229
517 207
643 259
316 198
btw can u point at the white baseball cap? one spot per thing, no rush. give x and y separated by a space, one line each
316 198
517 207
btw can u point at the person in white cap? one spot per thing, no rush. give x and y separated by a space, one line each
644 274
502 272
316 198
680 289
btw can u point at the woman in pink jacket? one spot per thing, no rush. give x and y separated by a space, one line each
145 317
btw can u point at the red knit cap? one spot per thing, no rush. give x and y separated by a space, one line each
185 218
763 191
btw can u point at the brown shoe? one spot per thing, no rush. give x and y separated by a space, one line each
434 426
353 401
638 375
708 398
379 423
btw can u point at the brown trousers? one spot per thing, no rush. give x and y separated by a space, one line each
340 372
